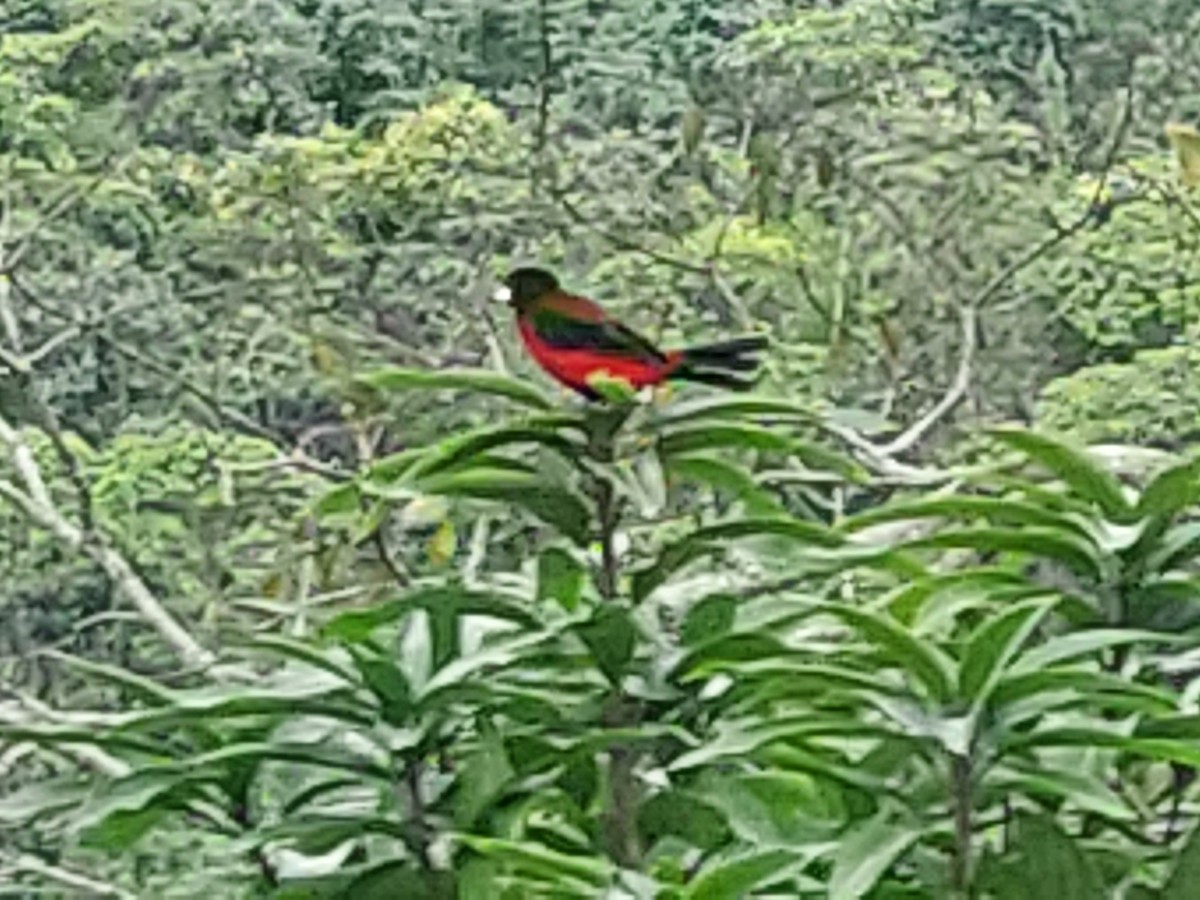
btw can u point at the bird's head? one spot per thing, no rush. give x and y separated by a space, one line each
524 286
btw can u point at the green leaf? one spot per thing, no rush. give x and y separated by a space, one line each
1176 545
1074 467
1038 542
994 644
385 680
1084 643
560 577
745 436
357 625
1082 790
146 688
1171 491
554 504
1047 863
462 450
683 815
611 636
732 878
40 798
540 860
1184 752
480 381
484 774
728 477
744 406
995 510
343 500
868 852
393 879
1185 874
712 538
928 664
300 651
710 617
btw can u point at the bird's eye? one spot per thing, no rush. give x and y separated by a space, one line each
503 294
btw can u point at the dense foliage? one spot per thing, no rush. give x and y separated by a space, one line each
310 585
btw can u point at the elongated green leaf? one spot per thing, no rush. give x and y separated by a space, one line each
315 791
611 636
994 644
300 651
1084 643
146 688
925 661
387 683
1082 790
1085 683
1176 545
539 859
727 477
995 510
1074 467
483 774
868 852
1045 863
744 406
480 381
746 436
357 625
206 711
1037 542
1184 752
1172 490
560 577
732 878
907 602
554 504
740 739
41 798
711 538
710 617
463 450
1185 874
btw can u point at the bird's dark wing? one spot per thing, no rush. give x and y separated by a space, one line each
607 336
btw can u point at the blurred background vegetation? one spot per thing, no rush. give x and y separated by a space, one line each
312 586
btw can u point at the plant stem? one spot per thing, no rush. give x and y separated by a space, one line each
960 776
619 823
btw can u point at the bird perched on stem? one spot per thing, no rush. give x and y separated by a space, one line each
574 341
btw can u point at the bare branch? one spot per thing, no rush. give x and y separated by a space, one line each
35 501
958 389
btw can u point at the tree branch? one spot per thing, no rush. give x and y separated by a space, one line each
36 503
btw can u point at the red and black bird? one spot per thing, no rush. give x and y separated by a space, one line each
574 339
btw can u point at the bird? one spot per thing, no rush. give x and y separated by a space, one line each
573 339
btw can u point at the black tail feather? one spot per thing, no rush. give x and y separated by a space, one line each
717 379
714 363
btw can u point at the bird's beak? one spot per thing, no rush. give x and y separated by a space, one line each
503 294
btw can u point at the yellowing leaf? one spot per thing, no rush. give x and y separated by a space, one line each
1186 141
425 510
443 544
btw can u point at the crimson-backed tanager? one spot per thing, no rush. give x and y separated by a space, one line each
573 339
